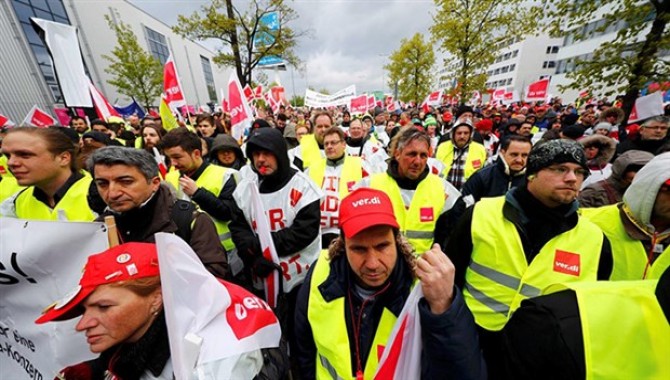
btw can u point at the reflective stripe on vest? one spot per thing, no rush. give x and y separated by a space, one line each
212 179
630 257
499 277
351 172
331 337
625 332
475 160
72 207
417 223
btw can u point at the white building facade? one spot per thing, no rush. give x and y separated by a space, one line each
26 73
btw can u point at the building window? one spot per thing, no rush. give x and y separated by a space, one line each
512 67
551 64
496 72
554 49
504 69
157 45
507 56
52 10
209 78
509 81
515 53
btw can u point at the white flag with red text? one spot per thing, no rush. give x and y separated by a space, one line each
240 112
646 107
102 106
174 96
5 122
537 90
212 324
358 104
38 118
401 358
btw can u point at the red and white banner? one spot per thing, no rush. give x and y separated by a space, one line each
371 102
38 118
240 113
583 94
5 122
358 104
537 90
510 97
498 94
392 107
272 282
258 92
388 100
278 94
174 96
401 358
248 93
433 99
646 107
102 106
202 311
270 100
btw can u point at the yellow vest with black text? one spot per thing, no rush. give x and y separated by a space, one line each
630 257
211 179
309 150
72 207
626 335
351 173
475 160
418 222
331 337
499 276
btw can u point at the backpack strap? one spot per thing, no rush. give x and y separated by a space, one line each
182 216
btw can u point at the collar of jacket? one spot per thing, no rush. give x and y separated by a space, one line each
341 279
336 162
505 168
521 208
403 182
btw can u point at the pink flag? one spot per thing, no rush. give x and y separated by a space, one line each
371 102
358 105
240 113
5 122
537 90
401 358
102 106
62 115
646 107
174 96
248 93
38 118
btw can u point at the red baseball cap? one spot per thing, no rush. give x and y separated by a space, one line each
124 262
364 208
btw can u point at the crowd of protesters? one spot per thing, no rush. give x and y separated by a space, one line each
487 206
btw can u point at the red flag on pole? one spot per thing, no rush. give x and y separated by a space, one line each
258 92
538 90
5 122
240 113
38 118
371 101
646 107
248 93
102 106
359 104
174 96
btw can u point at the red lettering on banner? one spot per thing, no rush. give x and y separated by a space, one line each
426 214
295 197
276 219
247 313
329 183
567 262
330 203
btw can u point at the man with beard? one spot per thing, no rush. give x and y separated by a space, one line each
461 156
511 247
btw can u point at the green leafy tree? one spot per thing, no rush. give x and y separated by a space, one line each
297 101
136 73
221 20
410 68
469 31
626 63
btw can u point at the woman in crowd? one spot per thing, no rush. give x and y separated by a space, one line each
120 302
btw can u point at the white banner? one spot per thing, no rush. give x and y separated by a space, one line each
319 100
40 262
212 324
62 42
646 107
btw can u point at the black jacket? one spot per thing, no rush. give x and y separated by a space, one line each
492 181
652 146
450 346
218 206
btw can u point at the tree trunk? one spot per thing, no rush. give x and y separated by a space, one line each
235 44
649 49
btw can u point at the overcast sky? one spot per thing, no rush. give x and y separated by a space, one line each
350 39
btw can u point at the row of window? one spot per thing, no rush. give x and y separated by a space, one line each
506 56
593 29
548 64
499 83
502 70
552 49
507 42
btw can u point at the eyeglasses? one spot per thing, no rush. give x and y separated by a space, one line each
658 128
331 143
563 170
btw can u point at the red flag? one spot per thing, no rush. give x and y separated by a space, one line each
392 107
102 106
248 93
153 113
583 94
278 94
371 101
388 100
62 115
5 122
646 107
174 96
358 104
240 114
538 90
38 118
258 92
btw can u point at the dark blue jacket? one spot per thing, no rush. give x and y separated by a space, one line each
450 341
492 181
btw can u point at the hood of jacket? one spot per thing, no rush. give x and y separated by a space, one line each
640 196
637 158
272 140
606 148
227 142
